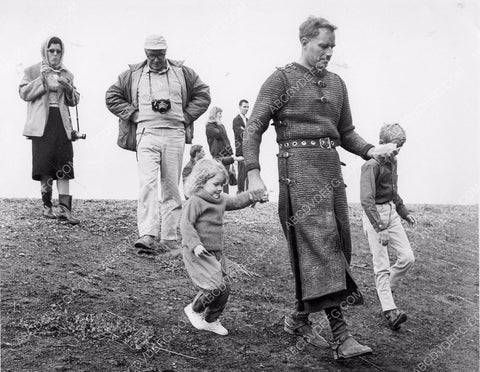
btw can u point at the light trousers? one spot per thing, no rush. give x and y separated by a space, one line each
159 152
387 278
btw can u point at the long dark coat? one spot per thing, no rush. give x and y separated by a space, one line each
312 203
218 141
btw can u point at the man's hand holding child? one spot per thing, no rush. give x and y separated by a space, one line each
258 196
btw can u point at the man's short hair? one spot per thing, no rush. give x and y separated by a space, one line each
194 150
392 133
242 101
309 28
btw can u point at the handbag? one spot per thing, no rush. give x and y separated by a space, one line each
232 176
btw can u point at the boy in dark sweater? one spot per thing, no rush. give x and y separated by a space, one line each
383 207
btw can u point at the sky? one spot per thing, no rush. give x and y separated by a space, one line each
411 61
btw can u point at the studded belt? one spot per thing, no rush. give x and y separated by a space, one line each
324 143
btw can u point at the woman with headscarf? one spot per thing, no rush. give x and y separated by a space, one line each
48 89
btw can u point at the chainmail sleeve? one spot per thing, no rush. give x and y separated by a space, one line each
267 103
351 140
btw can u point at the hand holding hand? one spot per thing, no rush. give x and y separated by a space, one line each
238 158
258 196
383 237
411 220
255 184
382 151
199 249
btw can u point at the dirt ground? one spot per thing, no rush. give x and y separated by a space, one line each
81 299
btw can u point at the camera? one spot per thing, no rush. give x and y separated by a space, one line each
77 135
161 105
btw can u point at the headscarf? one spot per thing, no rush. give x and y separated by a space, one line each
44 52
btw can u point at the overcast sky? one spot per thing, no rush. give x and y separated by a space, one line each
414 61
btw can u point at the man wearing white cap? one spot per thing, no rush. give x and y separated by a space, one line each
161 98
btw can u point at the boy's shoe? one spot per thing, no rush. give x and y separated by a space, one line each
215 327
195 318
349 348
304 329
395 318
144 243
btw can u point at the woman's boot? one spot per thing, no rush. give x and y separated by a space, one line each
65 209
46 189
345 346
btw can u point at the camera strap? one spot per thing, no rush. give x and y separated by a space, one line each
76 114
150 85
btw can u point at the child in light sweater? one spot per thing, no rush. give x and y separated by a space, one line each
201 226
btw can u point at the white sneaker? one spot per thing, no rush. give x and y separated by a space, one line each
215 327
195 318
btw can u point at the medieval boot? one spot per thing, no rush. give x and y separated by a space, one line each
345 346
65 209
298 324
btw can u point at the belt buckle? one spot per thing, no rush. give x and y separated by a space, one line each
322 142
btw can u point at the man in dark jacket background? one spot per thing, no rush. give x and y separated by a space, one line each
239 124
162 98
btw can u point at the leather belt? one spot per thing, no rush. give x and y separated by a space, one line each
324 143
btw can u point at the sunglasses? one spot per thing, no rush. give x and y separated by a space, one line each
152 57
55 51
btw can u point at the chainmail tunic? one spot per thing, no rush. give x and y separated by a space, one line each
312 204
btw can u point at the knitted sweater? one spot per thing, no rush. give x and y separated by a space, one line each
202 219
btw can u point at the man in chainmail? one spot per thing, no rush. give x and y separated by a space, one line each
310 111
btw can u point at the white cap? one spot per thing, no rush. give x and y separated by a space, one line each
155 42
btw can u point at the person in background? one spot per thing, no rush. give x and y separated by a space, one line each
48 89
217 139
161 96
196 153
239 123
383 209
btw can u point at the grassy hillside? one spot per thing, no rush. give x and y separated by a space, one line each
81 299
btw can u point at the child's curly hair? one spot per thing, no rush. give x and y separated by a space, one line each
204 170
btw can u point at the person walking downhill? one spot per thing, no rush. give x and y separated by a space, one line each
161 98
382 209
310 110
203 241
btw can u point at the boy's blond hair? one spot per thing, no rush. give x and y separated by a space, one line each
392 133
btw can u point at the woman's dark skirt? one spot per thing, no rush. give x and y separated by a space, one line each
52 154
